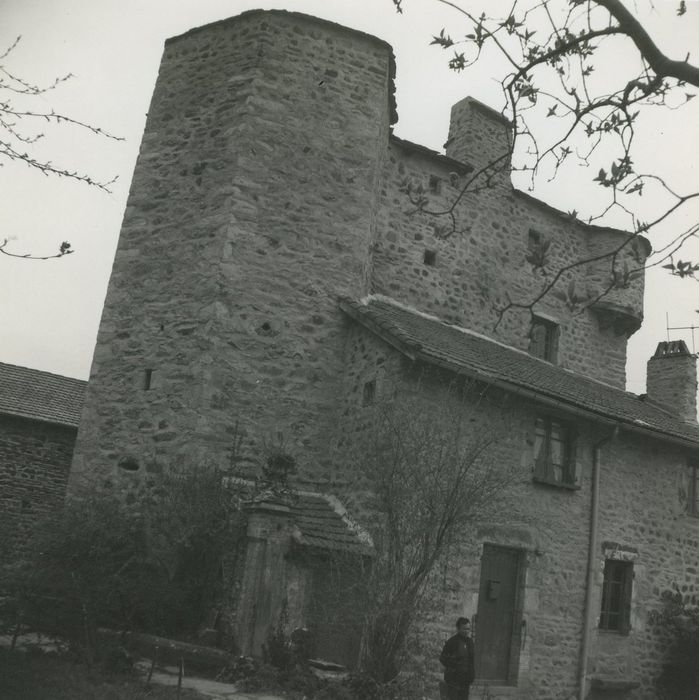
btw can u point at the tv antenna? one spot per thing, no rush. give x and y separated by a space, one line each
669 328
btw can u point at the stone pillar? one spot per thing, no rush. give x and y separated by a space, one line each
671 379
263 589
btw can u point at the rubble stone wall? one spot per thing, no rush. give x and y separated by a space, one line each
481 264
642 510
35 460
252 210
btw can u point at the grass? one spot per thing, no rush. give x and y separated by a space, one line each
40 676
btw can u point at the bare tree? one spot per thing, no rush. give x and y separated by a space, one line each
429 477
21 130
569 103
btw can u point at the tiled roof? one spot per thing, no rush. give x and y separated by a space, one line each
43 396
322 523
430 340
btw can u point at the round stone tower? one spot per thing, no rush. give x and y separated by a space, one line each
252 209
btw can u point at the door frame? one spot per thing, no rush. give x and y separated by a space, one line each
518 609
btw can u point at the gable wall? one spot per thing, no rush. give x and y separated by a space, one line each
34 464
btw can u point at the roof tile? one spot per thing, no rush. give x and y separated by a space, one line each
31 393
433 341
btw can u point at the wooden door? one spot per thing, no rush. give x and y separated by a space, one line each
496 626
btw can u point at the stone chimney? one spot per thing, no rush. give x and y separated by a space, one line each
478 134
671 379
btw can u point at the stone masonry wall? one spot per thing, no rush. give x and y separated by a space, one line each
34 463
642 508
252 209
672 383
547 524
482 264
266 188
478 135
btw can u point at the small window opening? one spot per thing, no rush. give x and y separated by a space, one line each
430 257
435 184
533 240
616 596
369 393
543 339
147 379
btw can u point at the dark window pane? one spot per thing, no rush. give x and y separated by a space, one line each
552 451
616 595
543 340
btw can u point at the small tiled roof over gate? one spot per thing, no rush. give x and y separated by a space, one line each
31 393
322 523
430 340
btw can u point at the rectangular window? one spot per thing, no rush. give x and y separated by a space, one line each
554 459
616 596
369 393
693 495
543 339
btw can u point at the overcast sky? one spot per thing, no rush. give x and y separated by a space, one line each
50 311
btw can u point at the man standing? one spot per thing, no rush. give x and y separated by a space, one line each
457 659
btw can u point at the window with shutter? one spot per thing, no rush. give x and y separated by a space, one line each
554 452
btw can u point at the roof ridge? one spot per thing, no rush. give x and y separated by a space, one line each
42 371
362 309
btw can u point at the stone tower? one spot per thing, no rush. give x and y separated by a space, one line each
220 317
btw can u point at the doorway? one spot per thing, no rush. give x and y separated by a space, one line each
499 615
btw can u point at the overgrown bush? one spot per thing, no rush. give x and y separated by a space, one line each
431 476
679 624
154 566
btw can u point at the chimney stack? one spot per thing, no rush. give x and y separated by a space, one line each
478 135
671 379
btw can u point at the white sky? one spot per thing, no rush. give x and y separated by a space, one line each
50 311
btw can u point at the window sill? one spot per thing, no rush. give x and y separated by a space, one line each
613 633
556 484
613 685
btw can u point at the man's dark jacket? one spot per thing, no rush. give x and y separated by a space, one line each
457 659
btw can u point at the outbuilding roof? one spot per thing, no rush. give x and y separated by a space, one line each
319 520
428 339
322 523
31 393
